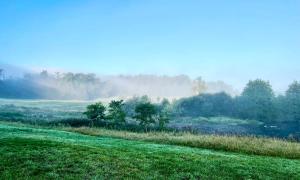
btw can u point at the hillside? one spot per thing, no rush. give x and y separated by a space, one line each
28 152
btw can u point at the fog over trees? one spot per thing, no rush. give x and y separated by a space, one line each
80 86
176 97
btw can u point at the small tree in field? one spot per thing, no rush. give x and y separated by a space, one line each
145 114
116 112
95 112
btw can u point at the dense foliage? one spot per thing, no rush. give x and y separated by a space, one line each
95 112
115 112
257 102
145 113
205 105
291 102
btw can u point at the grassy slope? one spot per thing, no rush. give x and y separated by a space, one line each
240 144
41 153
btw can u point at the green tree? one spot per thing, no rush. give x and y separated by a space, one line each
129 105
280 103
163 113
164 105
163 119
292 105
205 105
257 101
95 112
145 114
116 112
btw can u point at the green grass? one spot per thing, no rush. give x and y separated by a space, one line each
33 153
41 110
241 144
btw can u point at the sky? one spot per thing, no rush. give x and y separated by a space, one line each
229 40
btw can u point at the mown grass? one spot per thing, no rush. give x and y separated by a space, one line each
241 144
33 153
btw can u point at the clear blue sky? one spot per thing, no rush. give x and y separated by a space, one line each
230 40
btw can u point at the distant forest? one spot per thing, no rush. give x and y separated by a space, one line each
80 86
257 101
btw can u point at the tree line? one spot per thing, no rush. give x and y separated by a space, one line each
257 102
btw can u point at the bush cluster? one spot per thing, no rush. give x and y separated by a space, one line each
145 113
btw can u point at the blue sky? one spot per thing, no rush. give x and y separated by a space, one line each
230 40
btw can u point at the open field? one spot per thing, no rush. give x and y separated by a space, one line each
35 153
40 110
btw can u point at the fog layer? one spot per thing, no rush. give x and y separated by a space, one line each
81 86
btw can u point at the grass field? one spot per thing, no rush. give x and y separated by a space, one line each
35 153
242 144
40 110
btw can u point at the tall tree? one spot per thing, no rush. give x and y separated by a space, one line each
95 112
292 107
129 105
257 101
145 114
116 112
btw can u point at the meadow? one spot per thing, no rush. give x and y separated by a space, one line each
40 110
31 152
41 139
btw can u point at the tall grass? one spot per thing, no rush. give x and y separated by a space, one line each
247 145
